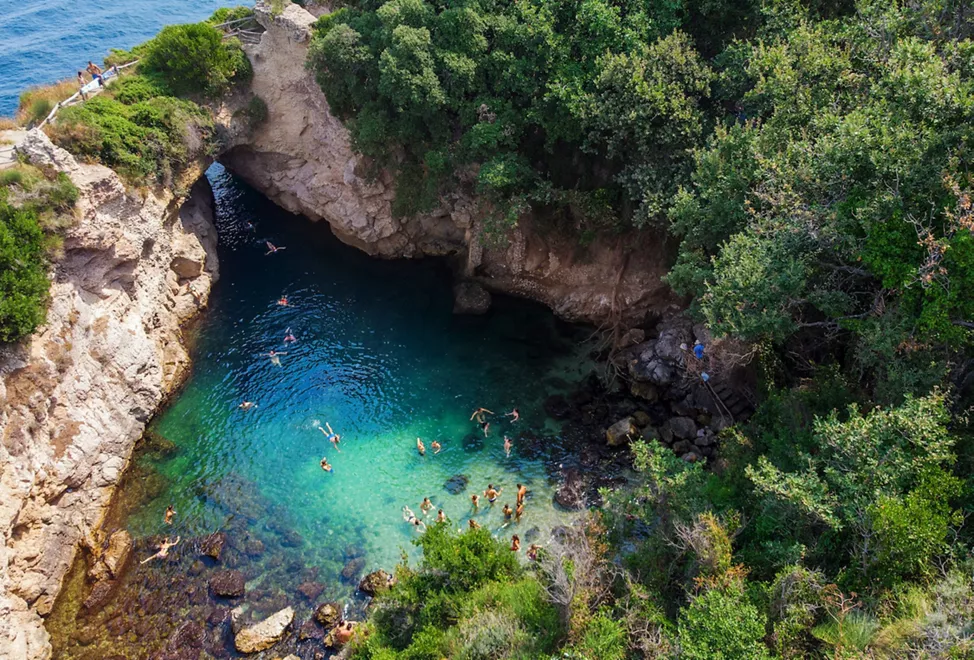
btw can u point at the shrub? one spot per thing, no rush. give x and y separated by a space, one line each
226 14
133 89
604 638
37 102
23 272
194 59
722 625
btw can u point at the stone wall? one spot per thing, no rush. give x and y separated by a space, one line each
75 397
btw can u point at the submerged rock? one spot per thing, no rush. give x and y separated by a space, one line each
310 630
212 545
311 590
328 614
470 298
456 484
353 568
265 634
570 493
99 596
374 582
228 584
114 559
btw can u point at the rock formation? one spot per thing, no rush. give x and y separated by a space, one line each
301 157
76 396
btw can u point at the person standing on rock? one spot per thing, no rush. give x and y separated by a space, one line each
170 512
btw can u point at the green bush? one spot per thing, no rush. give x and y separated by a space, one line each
604 639
194 59
133 89
23 272
722 625
227 14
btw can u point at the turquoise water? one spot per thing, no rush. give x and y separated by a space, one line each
380 356
42 41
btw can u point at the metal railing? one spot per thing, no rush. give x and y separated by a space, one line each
112 74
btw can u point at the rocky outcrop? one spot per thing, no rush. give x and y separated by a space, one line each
265 634
302 158
75 397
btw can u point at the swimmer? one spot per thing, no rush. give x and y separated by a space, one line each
514 415
518 511
521 492
249 226
440 516
478 414
507 446
420 447
475 500
436 447
486 427
515 543
325 465
170 512
473 524
417 523
288 337
343 633
533 551
282 301
271 248
333 437
275 357
426 506
163 550
410 517
508 511
247 405
491 493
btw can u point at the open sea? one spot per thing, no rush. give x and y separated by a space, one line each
42 41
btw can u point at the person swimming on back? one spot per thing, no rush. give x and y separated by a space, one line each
426 506
507 446
491 493
247 405
436 447
325 465
333 437
410 517
275 357
420 447
514 415
288 337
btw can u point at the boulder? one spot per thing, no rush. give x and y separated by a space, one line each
228 584
621 432
470 298
311 590
649 433
704 439
645 391
212 545
642 418
683 427
328 614
353 568
196 568
254 547
633 337
188 638
265 634
682 446
374 582
113 560
456 484
570 493
309 630
691 457
99 596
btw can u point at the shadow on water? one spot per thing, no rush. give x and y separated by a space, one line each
378 355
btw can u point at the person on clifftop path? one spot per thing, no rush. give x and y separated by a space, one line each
170 512
163 550
95 72
333 437
325 465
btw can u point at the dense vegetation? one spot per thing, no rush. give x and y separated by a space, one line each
33 206
812 162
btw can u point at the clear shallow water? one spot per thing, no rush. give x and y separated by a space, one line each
42 41
381 357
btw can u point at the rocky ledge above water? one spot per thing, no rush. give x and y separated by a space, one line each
75 397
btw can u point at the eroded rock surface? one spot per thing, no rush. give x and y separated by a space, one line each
75 396
265 634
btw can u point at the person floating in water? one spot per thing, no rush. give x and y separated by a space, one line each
410 517
514 415
163 550
426 506
333 437
289 337
271 248
436 447
515 543
508 511
420 447
521 492
325 465
491 493
247 405
282 301
507 446
475 500
170 512
440 516
275 357
473 524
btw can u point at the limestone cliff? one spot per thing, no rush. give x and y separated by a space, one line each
302 158
75 397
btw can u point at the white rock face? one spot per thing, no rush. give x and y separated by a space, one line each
302 158
75 397
265 634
